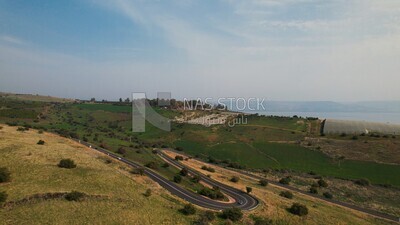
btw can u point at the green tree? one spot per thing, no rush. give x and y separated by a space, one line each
249 190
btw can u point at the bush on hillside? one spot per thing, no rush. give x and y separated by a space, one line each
234 214
214 193
298 209
151 165
184 172
178 157
66 163
188 209
121 151
322 183
286 194
327 195
74 196
362 182
3 197
263 182
285 180
139 171
147 193
235 179
177 178
40 142
313 190
5 175
209 169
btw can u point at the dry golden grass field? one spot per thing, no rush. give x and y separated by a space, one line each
114 195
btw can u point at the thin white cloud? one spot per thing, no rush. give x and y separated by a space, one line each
12 40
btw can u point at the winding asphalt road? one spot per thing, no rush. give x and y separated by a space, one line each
333 201
243 200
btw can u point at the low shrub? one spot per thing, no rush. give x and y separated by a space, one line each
362 182
188 209
3 197
66 163
263 182
139 171
40 142
249 190
234 214
235 179
5 175
285 180
165 165
147 193
74 196
286 194
121 151
178 157
214 193
313 190
327 195
151 165
177 178
322 183
298 209
184 172
196 179
209 169
262 221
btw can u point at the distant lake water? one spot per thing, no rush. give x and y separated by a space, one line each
392 118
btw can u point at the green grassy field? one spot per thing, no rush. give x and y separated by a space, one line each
262 143
262 155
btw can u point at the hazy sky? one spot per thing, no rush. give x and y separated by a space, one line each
341 50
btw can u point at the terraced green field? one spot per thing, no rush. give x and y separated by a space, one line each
261 155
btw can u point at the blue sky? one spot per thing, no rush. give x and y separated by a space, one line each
276 49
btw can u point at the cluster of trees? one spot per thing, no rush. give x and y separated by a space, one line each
207 168
214 193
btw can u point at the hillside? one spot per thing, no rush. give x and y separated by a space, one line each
114 195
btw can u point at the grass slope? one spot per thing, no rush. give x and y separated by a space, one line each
34 171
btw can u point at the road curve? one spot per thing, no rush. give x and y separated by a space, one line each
370 212
247 202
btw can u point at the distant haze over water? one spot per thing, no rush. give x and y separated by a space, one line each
378 111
